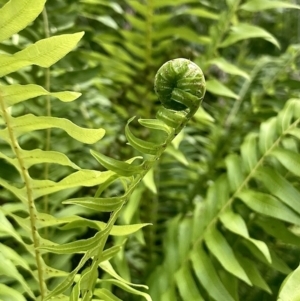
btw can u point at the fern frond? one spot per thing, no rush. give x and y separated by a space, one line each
265 186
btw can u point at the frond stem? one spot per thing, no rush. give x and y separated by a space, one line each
245 182
31 205
148 164
48 113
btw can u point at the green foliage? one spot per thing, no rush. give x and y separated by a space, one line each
223 198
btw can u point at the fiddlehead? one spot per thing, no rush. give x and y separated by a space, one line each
180 86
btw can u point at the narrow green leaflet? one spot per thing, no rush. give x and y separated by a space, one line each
221 249
139 144
244 31
259 5
38 156
290 288
17 14
253 273
285 116
106 295
235 223
53 273
268 205
7 229
124 229
277 229
216 87
149 181
48 220
249 152
294 132
234 171
108 268
14 94
98 204
279 187
121 53
187 287
155 124
217 196
12 255
139 7
131 207
24 223
8 269
128 288
231 283
20 193
75 292
228 67
83 177
45 220
201 13
12 294
30 122
267 135
177 154
111 252
159 4
119 167
276 262
106 20
202 117
78 246
289 159
43 53
208 276
184 238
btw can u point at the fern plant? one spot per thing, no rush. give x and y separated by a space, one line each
180 86
222 198
244 89
259 189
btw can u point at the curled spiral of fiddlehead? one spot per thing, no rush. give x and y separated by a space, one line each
180 86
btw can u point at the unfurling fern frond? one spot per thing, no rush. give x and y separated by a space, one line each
259 189
131 174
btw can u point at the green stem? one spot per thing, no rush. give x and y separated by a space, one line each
245 88
148 164
31 205
48 113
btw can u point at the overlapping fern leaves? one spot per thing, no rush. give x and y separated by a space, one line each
234 206
259 189
243 93
23 223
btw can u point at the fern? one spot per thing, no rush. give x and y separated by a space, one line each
257 190
27 214
218 37
212 203
28 234
43 53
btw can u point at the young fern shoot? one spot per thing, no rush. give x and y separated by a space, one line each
180 86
